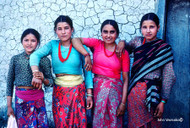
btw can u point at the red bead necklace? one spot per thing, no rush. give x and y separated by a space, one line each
59 53
106 53
144 41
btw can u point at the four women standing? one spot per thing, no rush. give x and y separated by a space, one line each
152 75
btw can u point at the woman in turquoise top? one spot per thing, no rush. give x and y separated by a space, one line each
69 89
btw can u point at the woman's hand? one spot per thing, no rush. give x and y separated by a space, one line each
37 83
88 63
39 75
89 102
10 111
120 48
121 109
159 110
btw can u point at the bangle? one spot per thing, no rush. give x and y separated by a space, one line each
163 101
87 54
89 95
122 104
35 71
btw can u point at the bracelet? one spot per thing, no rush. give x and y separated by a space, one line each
87 54
122 104
89 95
35 71
163 101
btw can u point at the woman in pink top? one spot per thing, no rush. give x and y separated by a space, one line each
109 91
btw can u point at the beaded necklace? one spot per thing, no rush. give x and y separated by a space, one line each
144 41
106 53
59 53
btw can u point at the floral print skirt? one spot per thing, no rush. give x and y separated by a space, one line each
107 97
69 106
138 114
30 113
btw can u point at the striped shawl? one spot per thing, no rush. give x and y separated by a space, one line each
147 58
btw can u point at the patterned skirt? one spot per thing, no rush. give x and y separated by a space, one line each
138 115
30 113
107 97
69 106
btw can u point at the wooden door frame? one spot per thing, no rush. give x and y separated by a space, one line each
161 12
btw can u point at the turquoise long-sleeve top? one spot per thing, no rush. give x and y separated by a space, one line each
73 65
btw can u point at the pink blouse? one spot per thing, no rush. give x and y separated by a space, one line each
107 66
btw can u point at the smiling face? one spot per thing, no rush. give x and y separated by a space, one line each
64 31
29 43
149 30
109 34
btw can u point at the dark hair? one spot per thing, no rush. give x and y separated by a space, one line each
150 16
31 31
111 22
63 18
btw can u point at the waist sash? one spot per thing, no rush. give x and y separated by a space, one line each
69 80
29 94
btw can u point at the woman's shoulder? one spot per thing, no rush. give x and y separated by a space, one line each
93 40
163 42
137 38
45 60
100 42
54 42
17 56
126 52
134 43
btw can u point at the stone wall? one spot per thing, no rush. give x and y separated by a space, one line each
87 15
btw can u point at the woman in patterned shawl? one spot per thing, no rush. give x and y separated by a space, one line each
30 108
152 75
